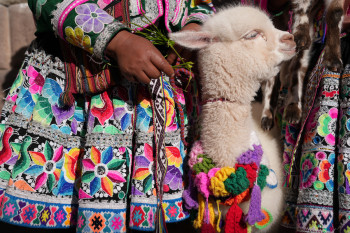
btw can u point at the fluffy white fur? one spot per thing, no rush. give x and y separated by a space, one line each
238 49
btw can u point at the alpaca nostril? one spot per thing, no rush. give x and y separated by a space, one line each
287 38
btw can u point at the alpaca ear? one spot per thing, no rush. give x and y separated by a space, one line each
192 39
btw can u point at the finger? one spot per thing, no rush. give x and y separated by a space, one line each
171 58
151 71
161 64
143 78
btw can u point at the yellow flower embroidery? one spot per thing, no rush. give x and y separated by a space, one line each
76 37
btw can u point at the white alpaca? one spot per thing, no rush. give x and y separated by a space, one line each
238 49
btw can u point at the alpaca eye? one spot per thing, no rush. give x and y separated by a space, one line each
251 35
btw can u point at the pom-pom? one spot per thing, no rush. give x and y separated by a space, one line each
237 182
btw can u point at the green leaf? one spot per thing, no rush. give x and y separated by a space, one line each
5 175
87 177
147 184
98 129
48 152
111 129
51 181
42 111
115 164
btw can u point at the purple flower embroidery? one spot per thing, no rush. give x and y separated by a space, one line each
91 18
173 178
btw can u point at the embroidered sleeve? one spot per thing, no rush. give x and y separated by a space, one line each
199 13
80 22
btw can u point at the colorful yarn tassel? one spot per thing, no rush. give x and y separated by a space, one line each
66 99
161 220
254 213
218 227
234 220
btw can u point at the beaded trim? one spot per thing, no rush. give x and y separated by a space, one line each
13 191
153 199
322 197
104 140
58 12
54 135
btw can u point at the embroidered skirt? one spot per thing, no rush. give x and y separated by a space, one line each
88 166
319 197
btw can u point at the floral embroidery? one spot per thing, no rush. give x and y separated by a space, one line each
101 171
48 166
174 156
144 165
76 37
91 18
291 134
170 124
311 125
36 80
144 110
326 174
173 178
308 170
327 124
123 107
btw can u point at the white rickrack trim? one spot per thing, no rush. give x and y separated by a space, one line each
58 12
153 200
54 135
32 196
170 137
104 37
322 197
105 140
101 204
344 201
200 17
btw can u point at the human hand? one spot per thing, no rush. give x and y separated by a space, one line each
186 54
138 59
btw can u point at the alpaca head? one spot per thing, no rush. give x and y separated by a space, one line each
242 40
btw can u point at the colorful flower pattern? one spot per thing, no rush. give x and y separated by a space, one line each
327 125
76 37
91 18
47 166
308 170
101 171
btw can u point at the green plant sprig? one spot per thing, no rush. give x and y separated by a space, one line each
157 37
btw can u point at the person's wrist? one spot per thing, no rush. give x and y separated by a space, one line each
116 43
